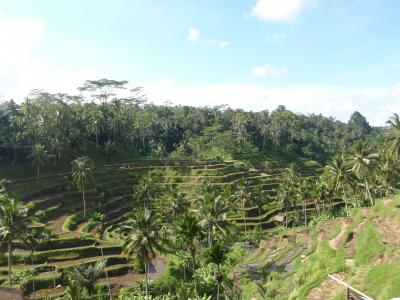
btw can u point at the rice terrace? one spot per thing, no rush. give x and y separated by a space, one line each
256 163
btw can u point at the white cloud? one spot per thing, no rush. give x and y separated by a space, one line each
224 44
269 71
276 38
17 39
193 34
377 104
21 72
212 42
278 10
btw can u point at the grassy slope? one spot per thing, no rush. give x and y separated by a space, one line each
363 249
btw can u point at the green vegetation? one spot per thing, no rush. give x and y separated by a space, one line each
192 203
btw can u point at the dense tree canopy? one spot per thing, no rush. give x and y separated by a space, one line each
66 124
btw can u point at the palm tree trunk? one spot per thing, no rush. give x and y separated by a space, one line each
286 216
218 291
105 271
193 255
9 260
345 203
146 280
33 277
38 172
84 202
245 223
368 192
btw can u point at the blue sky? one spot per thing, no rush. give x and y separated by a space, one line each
314 56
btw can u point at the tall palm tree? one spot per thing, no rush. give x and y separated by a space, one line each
98 218
39 157
73 291
82 176
188 228
14 223
216 255
393 137
86 276
145 190
142 239
387 175
212 210
173 202
363 164
339 178
285 199
243 198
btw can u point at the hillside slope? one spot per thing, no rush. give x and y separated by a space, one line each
362 250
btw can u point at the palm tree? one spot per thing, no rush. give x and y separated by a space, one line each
145 190
82 176
44 239
32 238
212 210
216 255
244 198
285 199
14 223
109 148
86 275
4 185
39 157
393 137
363 164
387 175
339 177
173 202
188 228
73 291
142 239
98 218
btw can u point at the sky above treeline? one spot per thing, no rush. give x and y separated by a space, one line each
313 56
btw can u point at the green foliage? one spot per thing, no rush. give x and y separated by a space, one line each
381 281
368 245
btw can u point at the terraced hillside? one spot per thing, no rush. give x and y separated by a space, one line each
59 206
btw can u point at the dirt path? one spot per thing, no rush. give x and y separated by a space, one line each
327 289
10 294
334 243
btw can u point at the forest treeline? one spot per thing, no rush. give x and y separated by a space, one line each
100 116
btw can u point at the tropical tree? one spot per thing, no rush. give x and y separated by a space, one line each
212 209
109 148
216 255
243 198
73 291
145 190
173 202
98 219
363 164
285 199
39 157
339 178
142 239
14 223
82 176
86 275
4 185
393 137
188 228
